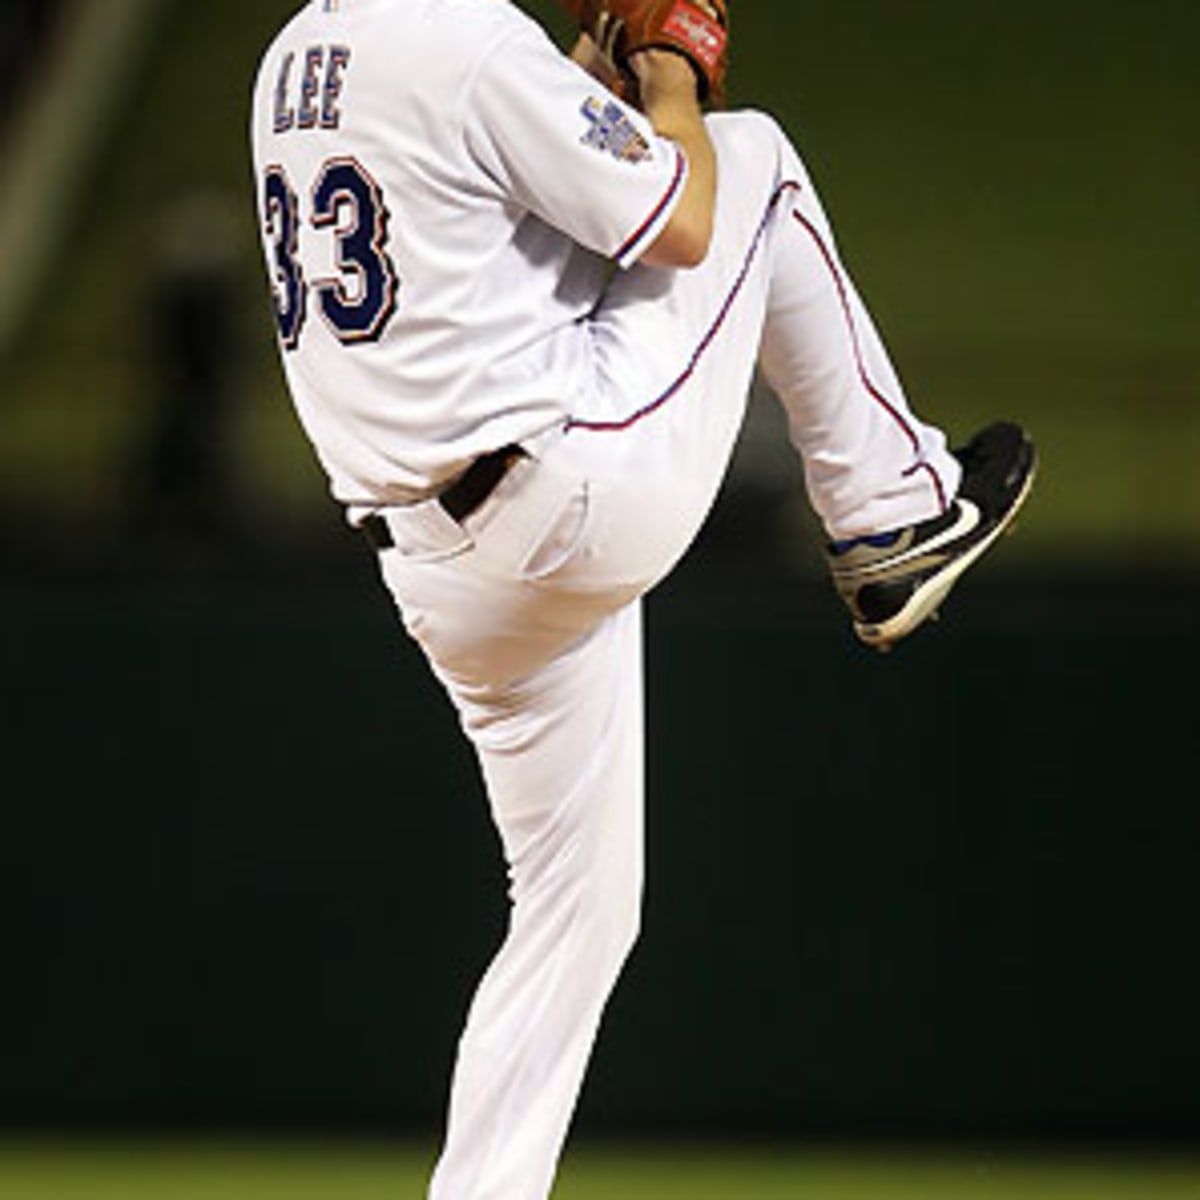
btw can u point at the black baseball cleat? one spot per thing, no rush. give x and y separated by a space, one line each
893 582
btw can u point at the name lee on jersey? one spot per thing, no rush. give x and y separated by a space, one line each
308 98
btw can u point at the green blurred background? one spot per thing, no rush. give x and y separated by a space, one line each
1016 192
948 897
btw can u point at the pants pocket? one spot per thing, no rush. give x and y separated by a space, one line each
562 541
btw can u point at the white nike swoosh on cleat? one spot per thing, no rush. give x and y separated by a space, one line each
969 518
930 594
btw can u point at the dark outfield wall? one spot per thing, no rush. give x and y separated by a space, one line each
245 873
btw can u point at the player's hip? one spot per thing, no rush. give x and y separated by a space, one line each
558 544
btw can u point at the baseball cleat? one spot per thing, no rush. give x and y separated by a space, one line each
893 582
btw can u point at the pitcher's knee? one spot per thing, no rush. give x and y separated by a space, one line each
626 925
753 141
753 132
613 922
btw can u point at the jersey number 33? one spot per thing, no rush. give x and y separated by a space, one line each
360 300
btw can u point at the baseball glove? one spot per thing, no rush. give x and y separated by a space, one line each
697 29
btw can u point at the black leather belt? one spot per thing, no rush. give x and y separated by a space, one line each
460 498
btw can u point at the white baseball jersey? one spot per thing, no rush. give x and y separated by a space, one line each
439 191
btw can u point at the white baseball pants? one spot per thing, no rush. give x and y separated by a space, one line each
529 612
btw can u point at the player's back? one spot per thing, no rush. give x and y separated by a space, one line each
420 309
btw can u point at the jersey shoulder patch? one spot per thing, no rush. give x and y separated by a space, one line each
611 130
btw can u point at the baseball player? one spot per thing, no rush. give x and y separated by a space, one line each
519 297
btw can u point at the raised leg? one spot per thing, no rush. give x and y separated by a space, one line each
676 350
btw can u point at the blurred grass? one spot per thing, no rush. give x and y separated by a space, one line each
242 1171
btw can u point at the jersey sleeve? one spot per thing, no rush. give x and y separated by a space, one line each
564 147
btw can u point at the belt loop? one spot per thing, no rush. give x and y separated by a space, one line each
433 528
422 532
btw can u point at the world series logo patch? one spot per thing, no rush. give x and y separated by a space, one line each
611 131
